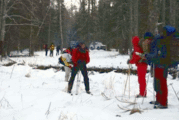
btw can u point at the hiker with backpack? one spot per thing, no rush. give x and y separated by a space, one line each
160 56
80 57
65 60
57 50
141 66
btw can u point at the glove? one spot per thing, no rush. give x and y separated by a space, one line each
140 54
70 66
137 53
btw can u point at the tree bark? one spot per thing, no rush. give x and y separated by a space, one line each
136 14
131 26
172 12
3 11
31 51
163 13
60 22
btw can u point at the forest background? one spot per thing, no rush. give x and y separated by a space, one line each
29 24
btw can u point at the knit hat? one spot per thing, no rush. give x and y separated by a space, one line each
169 30
148 35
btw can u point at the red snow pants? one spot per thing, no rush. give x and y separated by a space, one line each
162 92
141 71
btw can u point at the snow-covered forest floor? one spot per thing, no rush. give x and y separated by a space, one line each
32 94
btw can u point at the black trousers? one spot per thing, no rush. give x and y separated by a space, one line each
82 67
46 51
57 53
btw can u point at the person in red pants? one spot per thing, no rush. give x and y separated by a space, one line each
159 57
141 67
162 90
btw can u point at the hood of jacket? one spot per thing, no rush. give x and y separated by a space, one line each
135 41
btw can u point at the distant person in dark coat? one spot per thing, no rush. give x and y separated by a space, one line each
46 49
58 49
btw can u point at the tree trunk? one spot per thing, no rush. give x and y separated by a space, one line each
2 43
163 13
172 12
136 14
49 29
31 50
89 6
131 26
60 22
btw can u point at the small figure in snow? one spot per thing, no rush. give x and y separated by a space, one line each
57 49
46 49
51 49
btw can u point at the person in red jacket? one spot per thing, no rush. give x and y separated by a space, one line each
141 67
80 57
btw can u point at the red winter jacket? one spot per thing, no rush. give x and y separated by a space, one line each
80 56
136 58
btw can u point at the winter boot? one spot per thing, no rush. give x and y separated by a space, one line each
154 102
159 106
140 96
88 92
69 88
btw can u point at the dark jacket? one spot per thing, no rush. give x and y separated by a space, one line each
155 54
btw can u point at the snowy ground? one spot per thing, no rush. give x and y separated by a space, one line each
31 94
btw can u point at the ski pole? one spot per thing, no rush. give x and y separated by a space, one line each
154 81
146 86
126 82
12 71
78 82
129 78
174 91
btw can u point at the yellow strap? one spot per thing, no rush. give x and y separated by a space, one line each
65 62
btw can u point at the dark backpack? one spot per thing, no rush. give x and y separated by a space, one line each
168 48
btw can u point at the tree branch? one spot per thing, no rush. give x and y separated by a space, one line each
29 10
21 17
11 7
21 24
43 22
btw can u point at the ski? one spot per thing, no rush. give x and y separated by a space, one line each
107 98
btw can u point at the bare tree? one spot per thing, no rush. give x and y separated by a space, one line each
136 15
60 22
163 12
172 12
131 26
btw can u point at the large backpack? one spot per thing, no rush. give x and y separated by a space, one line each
145 45
168 48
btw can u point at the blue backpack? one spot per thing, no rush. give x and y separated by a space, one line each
168 47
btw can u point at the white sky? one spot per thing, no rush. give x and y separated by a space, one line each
69 2
74 2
